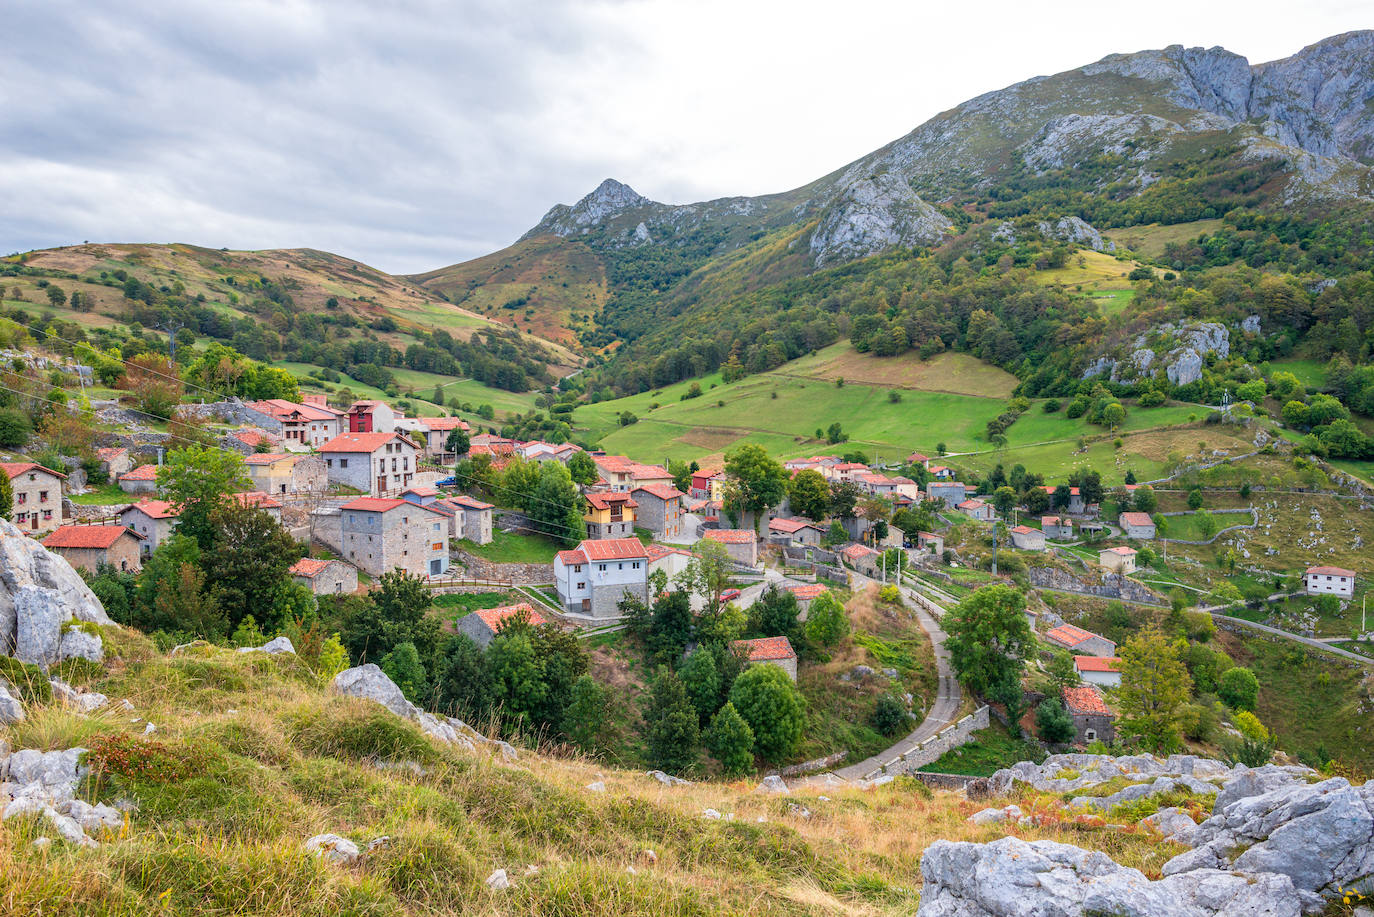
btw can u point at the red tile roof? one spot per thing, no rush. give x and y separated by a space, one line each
444 424
15 469
729 536
141 473
266 458
1097 663
1050 488
1330 571
662 491
112 453
422 491
806 591
377 504
1135 519
857 551
467 502
253 437
604 501
1024 530
87 536
791 525
1121 550
155 509
1055 520
1085 699
255 498
972 504
1068 635
309 567
361 442
660 551
281 409
572 557
765 649
494 618
613 549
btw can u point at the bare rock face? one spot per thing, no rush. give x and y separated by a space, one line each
39 594
1010 878
371 682
872 214
1075 229
609 199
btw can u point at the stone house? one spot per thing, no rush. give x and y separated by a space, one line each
951 492
140 480
623 474
1136 525
610 515
768 651
261 501
114 461
805 594
1099 670
38 505
660 509
930 540
155 520
1079 641
483 624
977 509
381 534
286 473
1329 581
794 531
540 451
436 431
325 577
305 426
89 546
475 515
1119 559
1092 721
598 574
379 464
1076 505
740 544
1025 538
1057 528
862 558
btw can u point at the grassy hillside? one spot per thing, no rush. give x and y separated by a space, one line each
782 409
547 286
252 756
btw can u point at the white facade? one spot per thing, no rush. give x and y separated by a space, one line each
1329 581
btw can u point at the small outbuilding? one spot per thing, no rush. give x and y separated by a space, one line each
1025 538
1092 720
769 651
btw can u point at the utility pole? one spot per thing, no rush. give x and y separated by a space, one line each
995 527
172 330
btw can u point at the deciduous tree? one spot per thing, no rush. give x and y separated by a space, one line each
769 702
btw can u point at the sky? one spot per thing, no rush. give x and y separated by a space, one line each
413 134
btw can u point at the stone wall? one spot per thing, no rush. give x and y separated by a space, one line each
232 411
520 574
815 764
945 781
1112 586
952 736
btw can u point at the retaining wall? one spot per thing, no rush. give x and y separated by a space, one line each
952 736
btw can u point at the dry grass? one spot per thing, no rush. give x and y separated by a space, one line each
958 373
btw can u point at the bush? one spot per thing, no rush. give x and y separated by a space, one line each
143 760
769 702
1051 406
1053 722
890 594
889 716
1239 688
826 621
14 429
731 741
1250 726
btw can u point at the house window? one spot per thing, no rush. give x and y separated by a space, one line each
343 463
1090 735
43 498
634 566
602 567
581 585
577 568
21 497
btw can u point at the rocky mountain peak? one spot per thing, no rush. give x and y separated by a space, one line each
609 199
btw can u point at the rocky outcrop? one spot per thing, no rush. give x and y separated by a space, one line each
1011 877
40 594
1320 836
274 647
371 682
609 199
1074 229
872 214
1073 772
11 710
44 784
1184 350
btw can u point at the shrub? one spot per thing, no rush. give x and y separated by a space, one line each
731 741
359 731
889 716
1053 722
1239 688
27 679
1250 726
1051 406
143 760
769 702
890 594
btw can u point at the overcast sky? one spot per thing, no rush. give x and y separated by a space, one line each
411 134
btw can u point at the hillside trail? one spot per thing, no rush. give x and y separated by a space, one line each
947 700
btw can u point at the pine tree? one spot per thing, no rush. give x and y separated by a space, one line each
672 734
731 741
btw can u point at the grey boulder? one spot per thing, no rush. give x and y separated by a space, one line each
11 710
331 848
39 593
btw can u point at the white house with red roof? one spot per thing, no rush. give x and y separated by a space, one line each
1099 670
483 624
540 451
1136 525
89 546
379 464
776 651
37 505
155 520
1329 581
325 577
380 534
307 426
593 578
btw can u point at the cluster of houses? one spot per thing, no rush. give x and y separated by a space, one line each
1098 666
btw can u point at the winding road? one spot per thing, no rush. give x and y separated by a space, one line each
941 713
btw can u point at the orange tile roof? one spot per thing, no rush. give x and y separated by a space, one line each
857 551
572 557
1121 550
613 549
662 491
309 567
361 442
255 498
281 409
1050 488
266 458
1135 519
660 551
790 525
141 473
1330 571
110 453
155 509
377 504
1085 699
1097 663
87 536
806 591
1024 530
444 424
604 501
1069 635
729 536
467 502
494 618
765 649
15 469
1055 520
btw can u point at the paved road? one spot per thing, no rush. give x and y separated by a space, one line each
941 713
